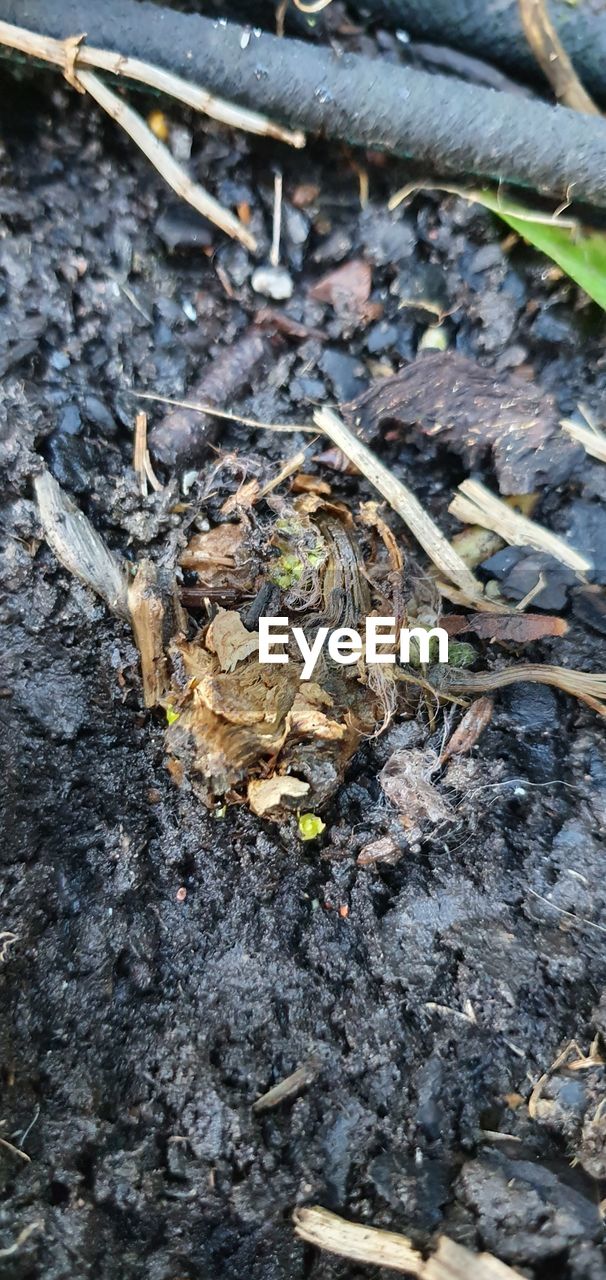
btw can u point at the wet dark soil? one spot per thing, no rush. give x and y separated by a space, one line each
140 1024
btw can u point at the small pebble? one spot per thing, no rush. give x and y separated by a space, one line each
273 282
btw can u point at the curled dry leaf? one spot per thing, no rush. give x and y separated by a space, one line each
370 516
265 794
473 724
475 413
308 719
229 639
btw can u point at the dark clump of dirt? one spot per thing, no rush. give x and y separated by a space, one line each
161 966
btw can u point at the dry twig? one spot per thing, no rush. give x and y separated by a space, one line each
214 412
552 57
589 688
592 439
141 459
67 53
24 1235
475 504
56 51
408 508
287 1088
159 155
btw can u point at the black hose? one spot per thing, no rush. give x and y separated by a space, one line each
445 125
494 31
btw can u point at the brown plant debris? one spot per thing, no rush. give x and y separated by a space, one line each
241 730
476 414
183 434
513 628
265 794
553 58
473 724
384 850
229 639
346 289
290 1087
396 1252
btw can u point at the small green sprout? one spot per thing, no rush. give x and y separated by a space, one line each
286 571
310 826
171 714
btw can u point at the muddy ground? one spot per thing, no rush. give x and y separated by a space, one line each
139 1028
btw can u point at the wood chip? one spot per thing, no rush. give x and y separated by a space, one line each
290 1087
473 503
268 793
389 1249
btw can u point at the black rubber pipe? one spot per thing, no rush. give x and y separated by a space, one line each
494 31
491 32
447 126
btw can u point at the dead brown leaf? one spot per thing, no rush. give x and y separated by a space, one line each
308 719
304 483
223 562
347 289
370 516
273 318
477 414
337 461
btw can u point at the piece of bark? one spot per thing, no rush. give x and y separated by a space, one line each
478 415
512 628
183 435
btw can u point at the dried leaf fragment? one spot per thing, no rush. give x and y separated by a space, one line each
473 724
347 289
513 628
228 638
78 546
307 719
268 793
